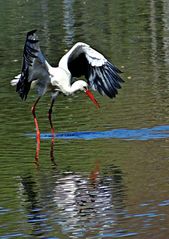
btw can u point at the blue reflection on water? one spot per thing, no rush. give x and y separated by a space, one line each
156 132
164 203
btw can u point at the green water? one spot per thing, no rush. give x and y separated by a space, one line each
99 188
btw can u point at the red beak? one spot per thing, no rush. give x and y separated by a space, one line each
91 96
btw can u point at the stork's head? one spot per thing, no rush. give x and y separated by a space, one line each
83 86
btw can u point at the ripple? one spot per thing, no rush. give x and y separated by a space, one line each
3 210
164 203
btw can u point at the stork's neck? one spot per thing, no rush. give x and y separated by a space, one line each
62 79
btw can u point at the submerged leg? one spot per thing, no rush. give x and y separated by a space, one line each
50 119
37 130
52 129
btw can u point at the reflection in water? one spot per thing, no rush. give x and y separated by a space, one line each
80 205
157 45
52 157
68 21
84 204
34 208
52 151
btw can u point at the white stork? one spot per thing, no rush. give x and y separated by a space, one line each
80 60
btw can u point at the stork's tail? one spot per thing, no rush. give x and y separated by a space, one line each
21 87
15 80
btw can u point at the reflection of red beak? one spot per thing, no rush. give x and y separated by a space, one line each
91 96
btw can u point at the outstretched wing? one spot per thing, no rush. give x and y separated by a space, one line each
99 72
34 65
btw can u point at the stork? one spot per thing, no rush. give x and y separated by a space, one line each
80 60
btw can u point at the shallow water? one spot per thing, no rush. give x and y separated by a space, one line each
106 176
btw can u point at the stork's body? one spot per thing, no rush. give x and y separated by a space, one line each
80 60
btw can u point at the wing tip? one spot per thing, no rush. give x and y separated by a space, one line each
107 80
31 32
32 37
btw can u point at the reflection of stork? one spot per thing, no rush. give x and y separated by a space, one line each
35 214
89 202
80 60
72 203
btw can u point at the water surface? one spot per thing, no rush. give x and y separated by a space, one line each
108 177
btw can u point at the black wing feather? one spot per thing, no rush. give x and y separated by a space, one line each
105 78
31 49
110 84
78 66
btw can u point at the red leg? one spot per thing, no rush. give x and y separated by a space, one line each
37 130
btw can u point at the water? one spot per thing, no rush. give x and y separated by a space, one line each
107 174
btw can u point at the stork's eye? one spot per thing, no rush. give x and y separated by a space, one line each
85 87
